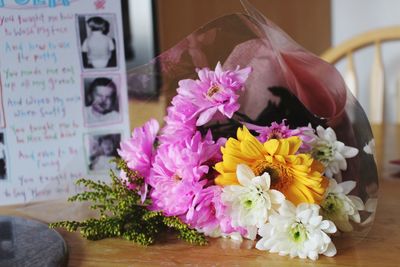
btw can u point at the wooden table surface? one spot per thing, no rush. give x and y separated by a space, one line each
380 248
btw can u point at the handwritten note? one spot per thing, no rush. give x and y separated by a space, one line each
63 95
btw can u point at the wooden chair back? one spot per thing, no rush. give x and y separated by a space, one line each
346 51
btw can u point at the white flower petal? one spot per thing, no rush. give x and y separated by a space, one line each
333 188
304 216
302 207
251 232
370 147
339 146
325 238
287 208
357 202
271 243
315 220
276 196
312 243
313 255
347 186
342 163
265 230
302 254
349 152
267 178
328 227
328 173
330 134
260 245
293 253
244 174
320 131
236 237
356 217
343 224
330 251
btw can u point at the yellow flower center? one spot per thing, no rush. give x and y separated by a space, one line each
280 177
213 90
275 134
176 177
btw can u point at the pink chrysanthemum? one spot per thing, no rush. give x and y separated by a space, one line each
281 131
180 123
203 212
214 91
209 215
138 151
179 173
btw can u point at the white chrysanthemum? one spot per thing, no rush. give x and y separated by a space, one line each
252 201
297 232
330 152
370 147
339 207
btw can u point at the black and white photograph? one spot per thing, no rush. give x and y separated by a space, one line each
3 158
98 41
101 148
101 97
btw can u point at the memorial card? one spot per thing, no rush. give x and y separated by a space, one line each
64 106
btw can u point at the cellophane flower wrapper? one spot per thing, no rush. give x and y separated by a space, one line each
261 140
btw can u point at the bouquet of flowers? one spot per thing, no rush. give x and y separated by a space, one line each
221 166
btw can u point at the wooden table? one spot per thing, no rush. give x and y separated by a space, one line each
380 248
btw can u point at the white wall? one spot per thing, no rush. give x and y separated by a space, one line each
351 17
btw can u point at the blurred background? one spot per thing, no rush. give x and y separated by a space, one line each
154 26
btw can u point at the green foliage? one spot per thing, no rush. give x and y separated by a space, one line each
121 213
185 233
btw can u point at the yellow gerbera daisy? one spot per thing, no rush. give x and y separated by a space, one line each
298 176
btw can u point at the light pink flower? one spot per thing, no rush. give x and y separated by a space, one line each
202 212
280 131
138 151
209 215
180 123
179 173
214 91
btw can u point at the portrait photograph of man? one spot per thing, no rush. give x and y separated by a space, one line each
101 100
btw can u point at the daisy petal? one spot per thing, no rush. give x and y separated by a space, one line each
244 174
